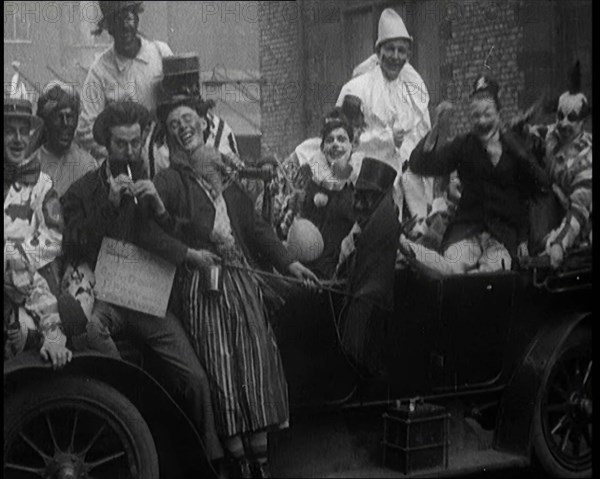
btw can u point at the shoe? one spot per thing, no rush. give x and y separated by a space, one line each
261 470
239 468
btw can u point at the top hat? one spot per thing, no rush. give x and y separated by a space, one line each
375 175
180 84
391 27
110 8
20 108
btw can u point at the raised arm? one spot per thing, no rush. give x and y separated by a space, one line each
428 158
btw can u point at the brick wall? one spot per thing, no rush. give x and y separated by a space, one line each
528 45
282 112
474 35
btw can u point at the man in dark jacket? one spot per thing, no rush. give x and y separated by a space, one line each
498 176
119 202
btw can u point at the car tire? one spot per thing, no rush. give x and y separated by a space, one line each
70 426
562 422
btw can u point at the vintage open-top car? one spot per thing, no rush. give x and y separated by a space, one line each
508 352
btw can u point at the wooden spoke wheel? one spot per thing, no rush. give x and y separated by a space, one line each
76 428
562 426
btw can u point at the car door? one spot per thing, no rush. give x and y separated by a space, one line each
477 311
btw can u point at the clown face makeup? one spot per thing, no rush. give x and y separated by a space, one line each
570 115
337 148
61 125
485 118
393 54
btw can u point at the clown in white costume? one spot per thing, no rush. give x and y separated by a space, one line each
394 101
32 240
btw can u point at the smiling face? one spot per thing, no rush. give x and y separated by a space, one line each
393 54
124 28
484 115
17 135
569 121
186 128
337 148
60 127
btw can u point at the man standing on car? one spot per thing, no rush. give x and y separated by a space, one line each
119 201
132 69
395 104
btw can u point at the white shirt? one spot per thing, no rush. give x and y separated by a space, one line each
389 106
113 77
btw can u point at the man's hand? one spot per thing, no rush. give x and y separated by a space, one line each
442 112
142 188
523 250
556 255
202 258
440 127
117 187
56 352
301 272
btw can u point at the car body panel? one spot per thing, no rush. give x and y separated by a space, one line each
179 446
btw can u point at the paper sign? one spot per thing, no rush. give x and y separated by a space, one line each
129 276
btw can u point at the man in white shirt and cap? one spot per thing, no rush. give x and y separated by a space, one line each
131 69
394 101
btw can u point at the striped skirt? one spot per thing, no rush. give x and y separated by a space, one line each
236 344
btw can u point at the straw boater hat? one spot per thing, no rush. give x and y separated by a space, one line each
20 108
391 27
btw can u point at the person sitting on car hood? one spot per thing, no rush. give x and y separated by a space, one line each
32 241
119 201
568 157
497 175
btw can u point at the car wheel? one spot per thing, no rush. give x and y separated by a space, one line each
562 423
73 427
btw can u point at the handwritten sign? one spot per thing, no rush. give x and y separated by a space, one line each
129 276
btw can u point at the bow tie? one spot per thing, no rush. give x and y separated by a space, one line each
27 173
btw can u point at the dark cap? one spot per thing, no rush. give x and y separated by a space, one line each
486 85
375 175
110 8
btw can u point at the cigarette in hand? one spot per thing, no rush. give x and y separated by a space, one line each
135 200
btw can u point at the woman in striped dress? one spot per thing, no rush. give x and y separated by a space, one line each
230 331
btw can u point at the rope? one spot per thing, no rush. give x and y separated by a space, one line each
325 285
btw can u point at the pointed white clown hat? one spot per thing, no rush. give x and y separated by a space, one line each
391 26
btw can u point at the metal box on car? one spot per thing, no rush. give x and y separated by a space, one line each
415 437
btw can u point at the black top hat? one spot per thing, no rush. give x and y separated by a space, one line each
180 85
375 175
20 108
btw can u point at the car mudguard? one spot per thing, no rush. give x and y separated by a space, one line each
179 446
513 432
